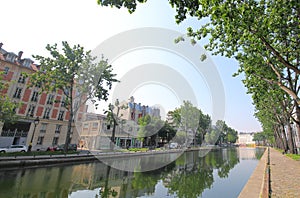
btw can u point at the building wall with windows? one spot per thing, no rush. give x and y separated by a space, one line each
96 131
49 107
245 139
134 110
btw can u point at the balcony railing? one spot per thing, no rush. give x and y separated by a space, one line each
15 133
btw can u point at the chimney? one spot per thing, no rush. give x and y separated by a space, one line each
20 55
1 44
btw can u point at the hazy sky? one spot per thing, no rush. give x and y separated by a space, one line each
30 25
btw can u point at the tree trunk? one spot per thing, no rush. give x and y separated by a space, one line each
291 139
297 132
285 142
279 139
112 141
71 116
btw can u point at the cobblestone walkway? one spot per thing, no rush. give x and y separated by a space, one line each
285 176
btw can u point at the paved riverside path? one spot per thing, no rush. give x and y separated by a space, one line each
285 176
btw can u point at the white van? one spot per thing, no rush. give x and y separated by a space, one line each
173 145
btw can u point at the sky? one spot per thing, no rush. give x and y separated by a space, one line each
31 25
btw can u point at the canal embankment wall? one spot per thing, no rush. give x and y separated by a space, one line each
16 162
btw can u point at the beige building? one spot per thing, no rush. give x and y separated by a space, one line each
245 139
96 132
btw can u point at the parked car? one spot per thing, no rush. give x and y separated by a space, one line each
52 148
14 148
71 147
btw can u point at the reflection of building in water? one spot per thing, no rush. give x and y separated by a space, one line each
247 153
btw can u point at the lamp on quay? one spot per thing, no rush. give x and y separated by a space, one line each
35 122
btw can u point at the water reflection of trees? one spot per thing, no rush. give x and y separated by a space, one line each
195 174
188 176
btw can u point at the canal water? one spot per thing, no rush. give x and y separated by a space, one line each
217 173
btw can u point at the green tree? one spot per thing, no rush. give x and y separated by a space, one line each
225 133
77 74
212 136
263 36
276 105
7 107
259 138
189 122
167 132
243 28
143 122
114 118
232 135
204 127
149 127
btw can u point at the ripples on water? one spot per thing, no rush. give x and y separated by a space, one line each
192 174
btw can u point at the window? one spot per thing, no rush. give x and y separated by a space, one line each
66 91
21 79
43 128
6 70
27 62
55 141
11 57
86 125
76 105
132 116
61 115
50 99
58 128
47 113
95 124
34 96
63 102
18 92
40 140
30 111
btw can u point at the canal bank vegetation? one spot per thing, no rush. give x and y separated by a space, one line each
185 127
294 156
190 126
290 155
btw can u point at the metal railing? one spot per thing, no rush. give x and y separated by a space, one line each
15 133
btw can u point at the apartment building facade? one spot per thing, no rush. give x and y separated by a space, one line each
96 131
48 107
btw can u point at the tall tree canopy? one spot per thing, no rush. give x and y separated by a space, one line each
76 73
189 119
263 36
266 31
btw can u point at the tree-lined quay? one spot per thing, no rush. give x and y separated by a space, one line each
44 105
263 36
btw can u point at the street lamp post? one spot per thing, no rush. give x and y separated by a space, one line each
36 122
